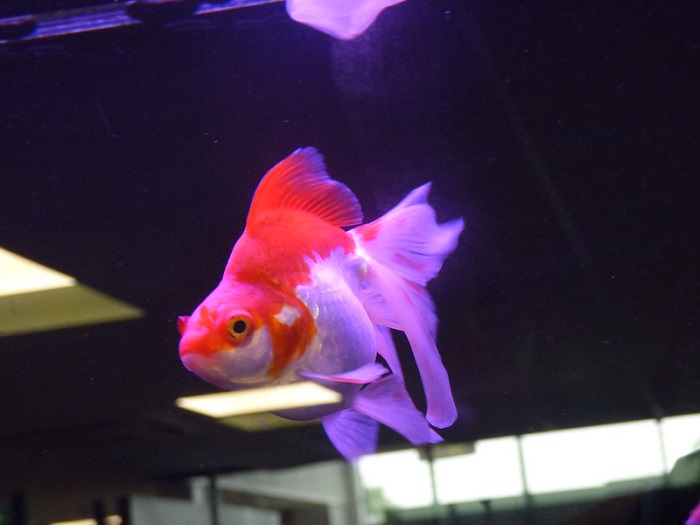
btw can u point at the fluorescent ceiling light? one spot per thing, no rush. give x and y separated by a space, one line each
113 519
256 400
35 298
20 275
76 522
262 421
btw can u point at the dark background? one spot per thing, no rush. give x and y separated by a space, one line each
565 133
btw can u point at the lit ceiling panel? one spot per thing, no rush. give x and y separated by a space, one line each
35 298
257 400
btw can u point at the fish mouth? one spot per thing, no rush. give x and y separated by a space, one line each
227 369
204 368
232 367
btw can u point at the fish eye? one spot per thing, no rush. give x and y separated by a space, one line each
238 327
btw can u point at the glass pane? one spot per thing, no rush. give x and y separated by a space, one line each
466 291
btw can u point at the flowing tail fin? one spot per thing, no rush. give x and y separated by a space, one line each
404 249
354 431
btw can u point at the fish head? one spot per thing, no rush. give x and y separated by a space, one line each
244 336
225 342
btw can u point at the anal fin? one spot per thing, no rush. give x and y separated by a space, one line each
352 433
388 402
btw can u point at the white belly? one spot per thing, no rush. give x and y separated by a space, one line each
345 338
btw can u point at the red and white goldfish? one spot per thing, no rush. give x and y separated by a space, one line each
302 299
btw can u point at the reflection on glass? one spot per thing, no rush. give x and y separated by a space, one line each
639 453
681 435
592 456
400 479
491 471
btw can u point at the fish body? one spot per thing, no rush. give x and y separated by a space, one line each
303 299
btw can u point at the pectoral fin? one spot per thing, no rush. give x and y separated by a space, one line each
363 375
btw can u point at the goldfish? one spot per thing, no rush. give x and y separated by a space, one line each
309 293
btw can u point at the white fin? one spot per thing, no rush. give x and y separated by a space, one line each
386 349
352 433
342 19
407 240
404 249
388 402
363 375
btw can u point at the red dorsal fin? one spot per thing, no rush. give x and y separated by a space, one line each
300 182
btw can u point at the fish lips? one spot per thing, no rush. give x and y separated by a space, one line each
232 367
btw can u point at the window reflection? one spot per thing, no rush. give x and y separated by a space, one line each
618 458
